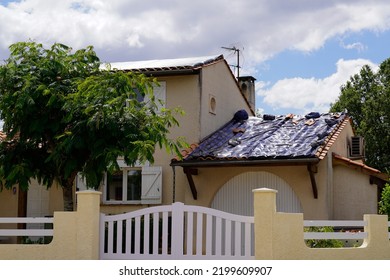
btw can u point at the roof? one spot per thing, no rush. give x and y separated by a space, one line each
290 137
191 63
359 166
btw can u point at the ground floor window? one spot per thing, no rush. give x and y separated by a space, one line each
131 185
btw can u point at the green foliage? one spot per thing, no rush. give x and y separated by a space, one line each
384 203
28 240
64 114
366 96
322 243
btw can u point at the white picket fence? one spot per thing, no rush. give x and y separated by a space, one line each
177 231
38 231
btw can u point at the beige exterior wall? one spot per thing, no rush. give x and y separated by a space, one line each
217 81
9 203
354 196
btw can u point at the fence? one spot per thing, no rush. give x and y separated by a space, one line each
44 229
281 236
277 235
75 234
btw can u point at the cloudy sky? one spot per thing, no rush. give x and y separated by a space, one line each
299 51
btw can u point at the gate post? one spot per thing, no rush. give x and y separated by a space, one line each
88 225
177 230
264 214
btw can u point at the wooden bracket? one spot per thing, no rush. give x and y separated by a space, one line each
312 168
189 172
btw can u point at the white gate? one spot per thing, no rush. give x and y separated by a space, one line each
176 231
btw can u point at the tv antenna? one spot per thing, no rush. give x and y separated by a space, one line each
236 51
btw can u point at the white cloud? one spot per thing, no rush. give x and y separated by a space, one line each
134 30
141 29
306 95
354 46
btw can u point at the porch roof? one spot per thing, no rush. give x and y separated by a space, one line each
290 139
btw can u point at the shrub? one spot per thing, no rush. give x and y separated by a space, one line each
322 243
384 203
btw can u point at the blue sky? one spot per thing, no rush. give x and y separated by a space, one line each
299 51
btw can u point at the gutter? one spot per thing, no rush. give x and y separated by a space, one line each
245 162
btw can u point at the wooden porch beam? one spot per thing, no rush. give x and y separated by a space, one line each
189 172
312 168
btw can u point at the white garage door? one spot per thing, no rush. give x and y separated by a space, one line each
236 195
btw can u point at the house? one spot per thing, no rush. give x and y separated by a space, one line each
206 90
314 161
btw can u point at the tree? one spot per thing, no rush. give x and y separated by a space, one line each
384 203
63 115
366 97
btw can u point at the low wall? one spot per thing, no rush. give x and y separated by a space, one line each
280 236
75 235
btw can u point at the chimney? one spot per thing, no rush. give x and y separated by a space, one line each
247 86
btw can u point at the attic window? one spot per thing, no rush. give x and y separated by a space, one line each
356 148
212 104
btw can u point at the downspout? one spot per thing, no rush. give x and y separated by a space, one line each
174 184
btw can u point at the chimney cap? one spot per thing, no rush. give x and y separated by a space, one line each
247 78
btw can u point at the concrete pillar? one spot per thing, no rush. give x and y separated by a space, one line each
264 214
88 225
378 235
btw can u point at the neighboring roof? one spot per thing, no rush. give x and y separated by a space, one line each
359 166
300 138
178 64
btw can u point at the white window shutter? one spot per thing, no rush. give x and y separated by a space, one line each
151 185
81 184
159 92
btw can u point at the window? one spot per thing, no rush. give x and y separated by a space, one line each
124 185
159 92
131 185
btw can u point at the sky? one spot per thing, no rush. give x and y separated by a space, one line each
300 51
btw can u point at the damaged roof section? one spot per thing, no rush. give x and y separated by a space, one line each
167 65
269 138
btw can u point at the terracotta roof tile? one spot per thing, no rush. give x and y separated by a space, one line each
359 165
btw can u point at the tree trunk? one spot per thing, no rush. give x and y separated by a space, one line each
68 198
67 191
22 210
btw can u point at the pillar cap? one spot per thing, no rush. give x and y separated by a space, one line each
264 190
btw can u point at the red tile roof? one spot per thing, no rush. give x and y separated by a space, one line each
337 159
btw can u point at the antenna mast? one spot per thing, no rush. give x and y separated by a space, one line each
236 51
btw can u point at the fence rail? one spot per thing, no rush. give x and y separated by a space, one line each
344 229
26 232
